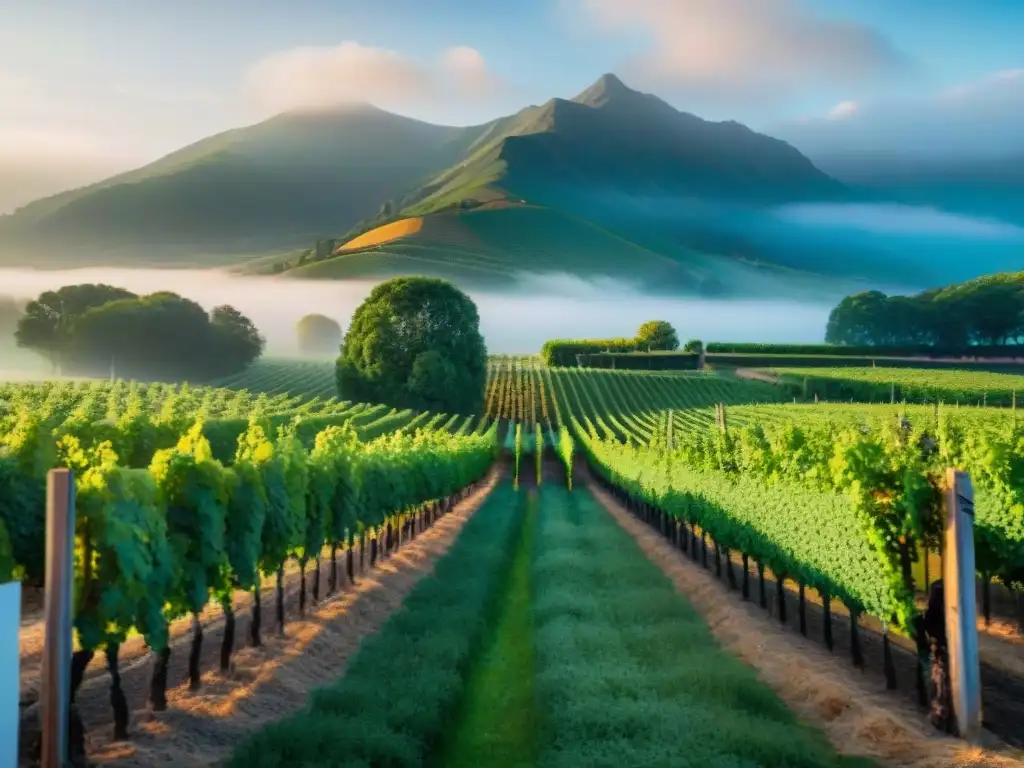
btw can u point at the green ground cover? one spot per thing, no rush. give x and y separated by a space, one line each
627 672
498 720
547 638
402 689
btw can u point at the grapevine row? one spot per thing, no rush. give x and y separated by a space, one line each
160 543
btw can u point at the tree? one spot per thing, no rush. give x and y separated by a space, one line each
857 319
161 335
235 341
694 345
415 343
45 327
986 310
157 336
657 335
318 335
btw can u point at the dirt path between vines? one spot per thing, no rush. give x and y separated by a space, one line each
857 717
32 632
202 728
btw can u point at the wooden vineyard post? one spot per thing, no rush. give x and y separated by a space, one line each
669 436
960 605
55 692
720 417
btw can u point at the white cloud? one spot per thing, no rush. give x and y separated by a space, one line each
844 110
977 118
319 77
468 72
746 48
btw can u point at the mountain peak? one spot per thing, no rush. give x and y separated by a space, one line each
606 88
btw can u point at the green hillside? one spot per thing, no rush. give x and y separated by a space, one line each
275 187
280 183
491 246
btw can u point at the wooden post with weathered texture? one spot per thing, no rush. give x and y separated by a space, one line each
55 689
961 609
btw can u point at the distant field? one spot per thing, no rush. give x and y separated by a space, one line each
386 233
492 243
910 384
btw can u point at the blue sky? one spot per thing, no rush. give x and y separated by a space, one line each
103 83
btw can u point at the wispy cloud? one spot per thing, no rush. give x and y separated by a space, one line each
982 117
746 49
318 77
844 110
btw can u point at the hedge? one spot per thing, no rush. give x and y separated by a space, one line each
652 361
920 350
562 352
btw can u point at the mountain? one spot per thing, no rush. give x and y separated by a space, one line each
287 180
611 183
612 139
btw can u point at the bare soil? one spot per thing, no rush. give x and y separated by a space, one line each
853 708
201 728
756 375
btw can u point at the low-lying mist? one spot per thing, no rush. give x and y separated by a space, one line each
535 309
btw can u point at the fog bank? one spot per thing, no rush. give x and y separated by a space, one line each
519 321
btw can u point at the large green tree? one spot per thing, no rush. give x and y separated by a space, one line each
46 325
415 343
163 335
657 335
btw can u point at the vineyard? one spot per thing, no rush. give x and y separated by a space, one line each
584 680
305 378
545 636
160 541
623 404
899 384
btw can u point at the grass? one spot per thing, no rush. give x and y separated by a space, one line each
629 675
488 245
401 690
497 720
545 638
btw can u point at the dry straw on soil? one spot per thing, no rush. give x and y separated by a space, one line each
858 719
202 728
385 233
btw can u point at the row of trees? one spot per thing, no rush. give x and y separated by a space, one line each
985 311
91 329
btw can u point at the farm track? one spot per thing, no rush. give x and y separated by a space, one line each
201 728
852 707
